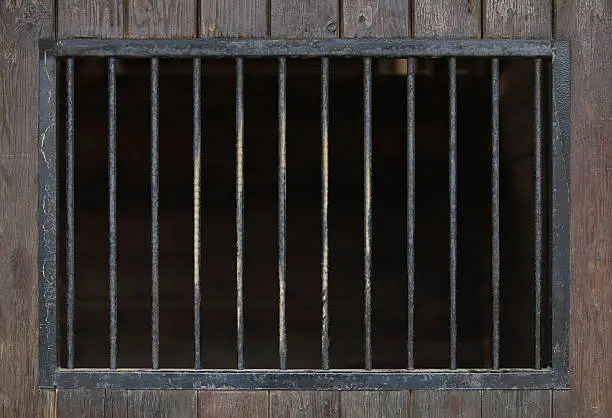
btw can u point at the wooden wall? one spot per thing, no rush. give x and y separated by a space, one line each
587 23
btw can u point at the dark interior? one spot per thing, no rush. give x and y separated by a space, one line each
346 194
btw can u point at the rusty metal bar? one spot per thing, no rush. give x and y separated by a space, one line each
411 207
495 246
112 205
324 210
70 207
367 161
282 207
538 210
452 72
239 210
155 211
197 171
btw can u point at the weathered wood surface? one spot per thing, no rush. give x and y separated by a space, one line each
304 404
516 403
447 18
162 403
80 403
115 403
233 404
21 26
562 407
375 18
517 19
440 404
161 18
587 25
90 18
47 404
299 19
231 18
370 404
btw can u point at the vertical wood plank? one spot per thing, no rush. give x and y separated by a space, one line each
158 18
443 404
516 403
562 407
115 403
232 404
80 403
162 403
375 404
447 18
23 23
99 18
233 18
296 18
304 403
47 404
375 18
587 24
517 18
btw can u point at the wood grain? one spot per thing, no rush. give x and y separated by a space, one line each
562 407
447 19
295 18
516 403
517 18
231 18
159 18
375 18
162 403
587 24
442 404
304 403
232 404
90 18
23 23
47 404
80 403
115 403
375 404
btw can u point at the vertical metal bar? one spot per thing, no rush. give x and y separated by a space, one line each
495 205
324 210
155 210
197 65
538 209
48 360
367 160
112 206
239 210
452 72
282 206
411 207
70 207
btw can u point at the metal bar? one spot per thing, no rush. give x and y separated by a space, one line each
322 380
70 208
197 171
47 225
411 207
538 209
337 47
155 211
324 210
282 207
495 205
452 72
561 209
239 210
112 207
367 181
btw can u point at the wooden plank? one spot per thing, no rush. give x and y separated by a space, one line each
375 18
157 18
304 403
562 407
295 18
99 18
375 404
166 403
587 24
234 18
23 23
233 404
47 404
115 403
447 18
516 403
432 404
517 18
80 403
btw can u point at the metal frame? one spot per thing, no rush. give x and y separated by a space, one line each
52 375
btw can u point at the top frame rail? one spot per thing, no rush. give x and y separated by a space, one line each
380 47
